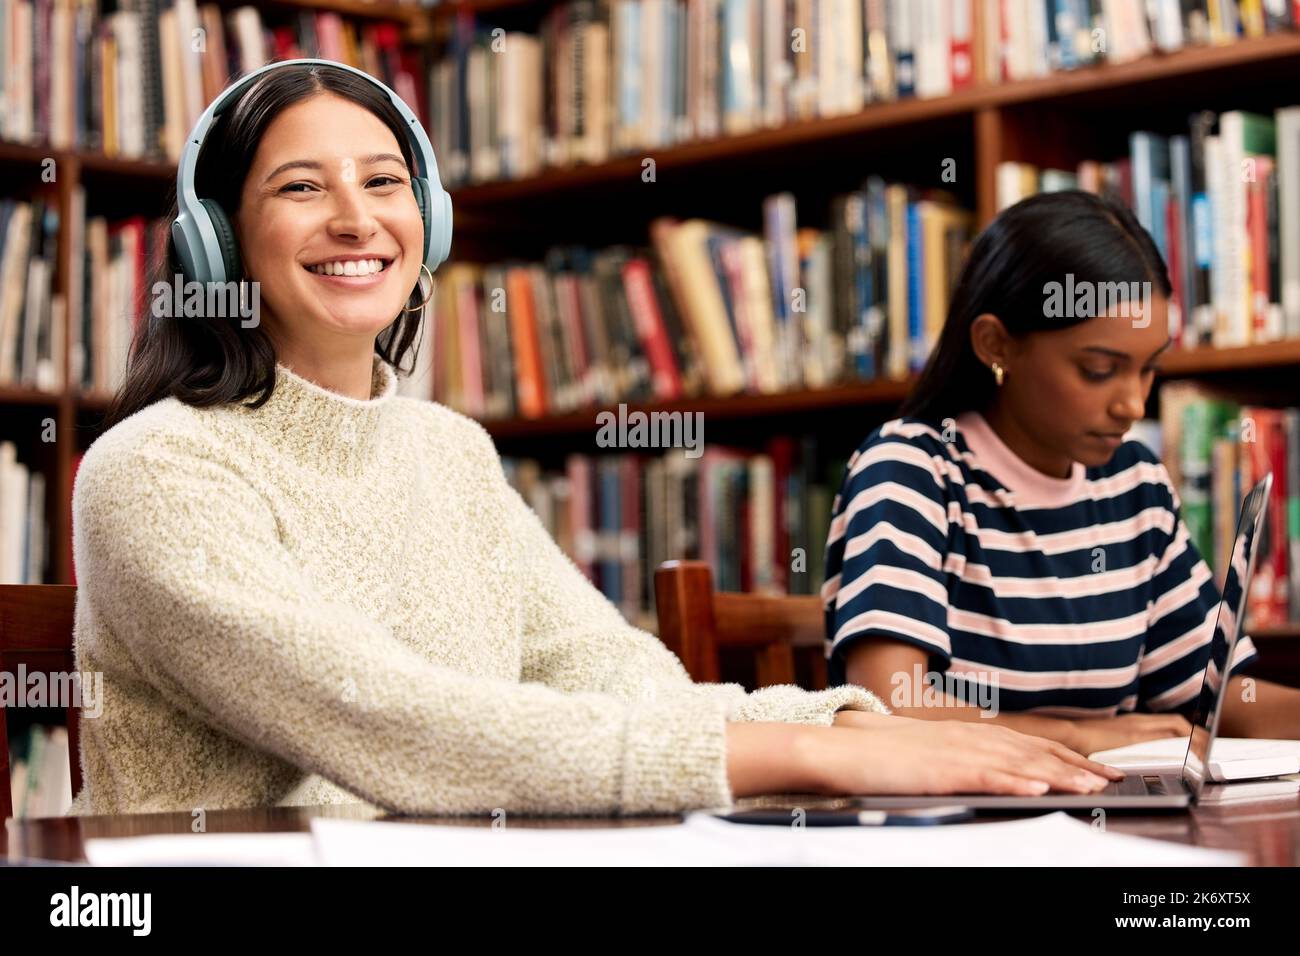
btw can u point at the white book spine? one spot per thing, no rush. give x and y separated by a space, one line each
1288 181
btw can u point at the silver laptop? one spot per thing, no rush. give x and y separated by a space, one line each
1150 792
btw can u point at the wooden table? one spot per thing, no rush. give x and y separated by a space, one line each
1267 831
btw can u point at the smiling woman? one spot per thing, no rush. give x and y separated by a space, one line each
331 593
316 200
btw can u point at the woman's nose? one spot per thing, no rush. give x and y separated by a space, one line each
352 215
1131 404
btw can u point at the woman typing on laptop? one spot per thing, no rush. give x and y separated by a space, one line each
1002 536
302 588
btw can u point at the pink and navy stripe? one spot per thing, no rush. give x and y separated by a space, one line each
1080 596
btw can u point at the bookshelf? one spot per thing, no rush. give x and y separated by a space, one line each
1056 120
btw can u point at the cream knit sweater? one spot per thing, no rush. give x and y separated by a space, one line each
331 600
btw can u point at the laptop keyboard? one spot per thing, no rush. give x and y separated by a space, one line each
1131 786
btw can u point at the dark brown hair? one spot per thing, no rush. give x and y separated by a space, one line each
213 360
1036 241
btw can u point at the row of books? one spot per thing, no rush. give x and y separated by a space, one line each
709 308
108 296
760 519
600 79
1223 205
32 319
107 286
604 78
1031 38
24 535
132 82
1216 451
40 775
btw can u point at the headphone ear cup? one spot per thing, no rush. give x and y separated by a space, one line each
229 247
420 186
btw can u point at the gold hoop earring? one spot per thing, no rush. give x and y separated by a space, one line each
997 373
420 307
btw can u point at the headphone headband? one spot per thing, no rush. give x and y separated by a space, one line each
198 244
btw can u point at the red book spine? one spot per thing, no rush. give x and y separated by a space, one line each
960 63
527 351
1257 236
650 328
1265 447
782 452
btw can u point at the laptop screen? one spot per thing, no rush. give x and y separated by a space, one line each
1227 628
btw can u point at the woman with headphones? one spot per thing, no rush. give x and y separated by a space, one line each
301 588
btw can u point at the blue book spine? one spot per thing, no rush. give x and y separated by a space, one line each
915 290
715 243
863 356
611 528
631 72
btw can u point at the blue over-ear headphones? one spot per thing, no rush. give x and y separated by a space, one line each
205 240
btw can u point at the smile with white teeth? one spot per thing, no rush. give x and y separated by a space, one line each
350 267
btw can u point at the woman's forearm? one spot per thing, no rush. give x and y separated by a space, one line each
771 758
1267 710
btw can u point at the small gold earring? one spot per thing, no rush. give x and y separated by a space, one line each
997 373
420 307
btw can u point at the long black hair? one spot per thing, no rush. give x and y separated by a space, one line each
1037 241
212 360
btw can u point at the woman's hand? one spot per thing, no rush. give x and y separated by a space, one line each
868 719
1104 733
891 755
942 757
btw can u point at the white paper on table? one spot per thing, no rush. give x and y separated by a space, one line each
365 843
704 840
1053 839
1167 754
204 849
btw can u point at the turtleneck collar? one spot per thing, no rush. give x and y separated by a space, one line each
322 429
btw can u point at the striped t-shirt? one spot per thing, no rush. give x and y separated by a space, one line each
1078 596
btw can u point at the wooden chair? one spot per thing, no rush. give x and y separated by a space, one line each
36 631
699 623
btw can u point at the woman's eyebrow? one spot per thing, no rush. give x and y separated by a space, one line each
1114 353
312 164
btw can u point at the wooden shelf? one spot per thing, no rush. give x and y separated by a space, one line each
17 395
1187 362
993 121
1158 68
93 402
404 12
1289 631
734 406
1178 364
449 10
876 117
554 181
558 181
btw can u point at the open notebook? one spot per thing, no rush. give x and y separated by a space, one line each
1231 758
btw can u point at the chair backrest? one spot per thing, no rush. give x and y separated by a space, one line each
699 623
36 623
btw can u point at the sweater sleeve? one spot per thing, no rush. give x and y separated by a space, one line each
575 639
180 558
